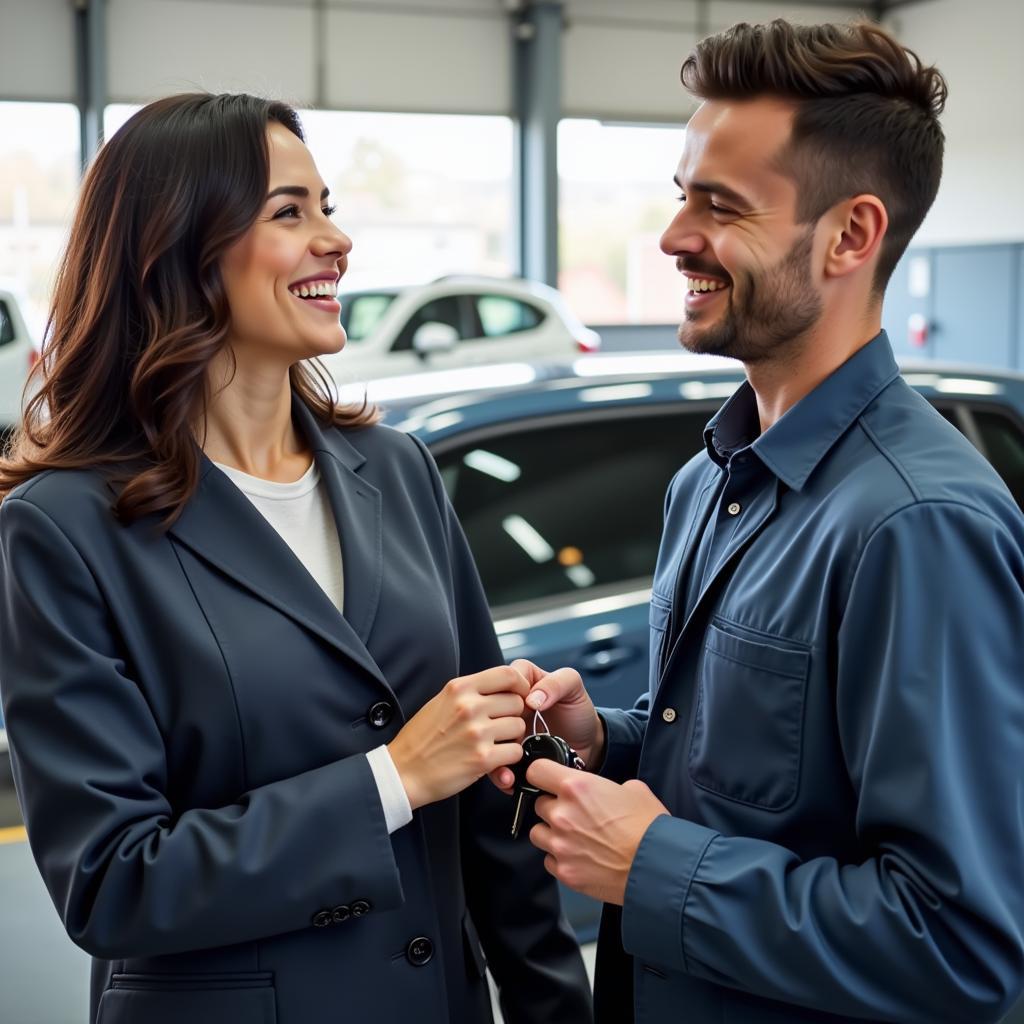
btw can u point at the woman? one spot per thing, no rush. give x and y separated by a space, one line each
229 610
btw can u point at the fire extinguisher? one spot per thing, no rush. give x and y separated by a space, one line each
917 330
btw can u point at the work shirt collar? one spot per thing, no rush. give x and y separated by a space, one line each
792 447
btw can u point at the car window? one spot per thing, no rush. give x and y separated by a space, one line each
501 315
444 310
569 506
1003 441
6 324
360 314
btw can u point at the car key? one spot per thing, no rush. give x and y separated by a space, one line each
539 746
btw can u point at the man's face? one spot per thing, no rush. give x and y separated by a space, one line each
751 291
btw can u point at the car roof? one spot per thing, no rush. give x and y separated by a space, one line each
437 403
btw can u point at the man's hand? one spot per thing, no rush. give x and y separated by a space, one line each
590 828
567 709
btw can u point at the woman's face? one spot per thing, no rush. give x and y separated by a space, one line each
281 276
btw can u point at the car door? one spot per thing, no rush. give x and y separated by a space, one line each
564 519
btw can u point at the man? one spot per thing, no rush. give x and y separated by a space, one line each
817 811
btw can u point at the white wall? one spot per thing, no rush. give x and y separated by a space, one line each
976 45
37 50
622 60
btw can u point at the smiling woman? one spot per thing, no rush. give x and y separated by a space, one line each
250 681
178 245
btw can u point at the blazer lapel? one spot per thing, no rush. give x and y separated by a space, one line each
222 527
356 504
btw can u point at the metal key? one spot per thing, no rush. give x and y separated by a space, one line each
538 747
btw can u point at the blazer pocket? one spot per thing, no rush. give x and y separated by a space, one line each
748 728
244 998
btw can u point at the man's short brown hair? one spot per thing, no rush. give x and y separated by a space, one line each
866 121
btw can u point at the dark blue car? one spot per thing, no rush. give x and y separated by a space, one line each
558 474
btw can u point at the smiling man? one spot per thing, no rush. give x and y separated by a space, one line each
816 812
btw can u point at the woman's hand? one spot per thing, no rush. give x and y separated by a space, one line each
472 727
568 712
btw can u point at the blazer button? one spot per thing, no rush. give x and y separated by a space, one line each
380 714
322 918
360 908
340 913
420 951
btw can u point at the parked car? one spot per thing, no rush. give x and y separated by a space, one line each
17 354
457 320
558 473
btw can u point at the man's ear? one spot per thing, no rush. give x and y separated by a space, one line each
857 228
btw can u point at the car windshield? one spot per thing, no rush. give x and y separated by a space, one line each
361 313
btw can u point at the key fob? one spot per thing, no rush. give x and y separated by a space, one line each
541 746
538 747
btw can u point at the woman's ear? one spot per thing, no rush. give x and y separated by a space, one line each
859 225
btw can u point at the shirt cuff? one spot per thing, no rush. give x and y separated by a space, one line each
393 798
653 913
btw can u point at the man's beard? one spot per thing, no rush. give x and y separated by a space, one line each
776 308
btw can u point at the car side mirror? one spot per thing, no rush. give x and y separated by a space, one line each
433 337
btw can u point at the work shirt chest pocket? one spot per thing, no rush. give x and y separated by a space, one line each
748 727
660 614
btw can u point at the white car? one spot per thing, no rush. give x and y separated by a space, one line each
454 321
17 354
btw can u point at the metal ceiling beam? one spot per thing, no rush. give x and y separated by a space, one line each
91 74
537 30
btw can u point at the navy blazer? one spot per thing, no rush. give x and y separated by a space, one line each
188 714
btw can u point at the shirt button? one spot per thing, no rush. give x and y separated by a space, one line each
734 509
380 714
669 715
420 951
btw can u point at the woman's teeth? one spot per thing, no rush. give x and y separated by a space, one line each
315 290
702 284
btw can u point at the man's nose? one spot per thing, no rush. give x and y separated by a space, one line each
681 236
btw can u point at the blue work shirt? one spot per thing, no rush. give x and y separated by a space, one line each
835 721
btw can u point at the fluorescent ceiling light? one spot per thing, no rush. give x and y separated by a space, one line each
528 538
697 389
615 393
493 465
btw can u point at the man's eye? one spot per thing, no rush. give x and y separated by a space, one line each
715 208
681 197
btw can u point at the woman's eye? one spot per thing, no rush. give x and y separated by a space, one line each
287 211
329 211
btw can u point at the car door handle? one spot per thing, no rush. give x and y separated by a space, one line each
606 659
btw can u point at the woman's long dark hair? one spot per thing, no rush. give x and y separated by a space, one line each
139 308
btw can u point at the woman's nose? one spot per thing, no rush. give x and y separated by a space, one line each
334 241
